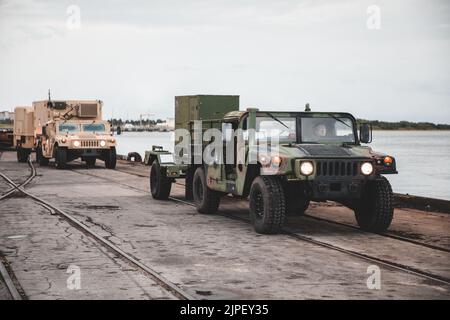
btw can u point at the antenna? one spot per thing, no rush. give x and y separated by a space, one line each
49 98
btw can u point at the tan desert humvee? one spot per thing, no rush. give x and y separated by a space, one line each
64 130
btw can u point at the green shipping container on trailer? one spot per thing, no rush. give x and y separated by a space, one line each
203 107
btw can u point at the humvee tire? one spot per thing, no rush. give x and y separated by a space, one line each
160 185
22 155
43 161
60 158
206 200
267 205
375 211
90 162
111 158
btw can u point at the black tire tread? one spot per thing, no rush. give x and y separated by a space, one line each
111 158
376 213
211 198
275 215
161 190
61 158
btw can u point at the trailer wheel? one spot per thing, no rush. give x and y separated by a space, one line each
90 162
267 205
22 154
111 159
206 200
160 185
43 161
61 157
375 210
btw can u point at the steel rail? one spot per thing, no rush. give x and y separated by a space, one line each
177 291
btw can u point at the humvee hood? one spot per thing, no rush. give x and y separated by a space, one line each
324 150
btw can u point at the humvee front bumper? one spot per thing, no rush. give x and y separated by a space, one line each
87 152
329 189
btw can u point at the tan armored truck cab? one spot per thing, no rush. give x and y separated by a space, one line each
64 131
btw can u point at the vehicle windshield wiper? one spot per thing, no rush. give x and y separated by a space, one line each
337 119
277 120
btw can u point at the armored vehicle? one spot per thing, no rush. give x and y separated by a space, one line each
64 131
279 160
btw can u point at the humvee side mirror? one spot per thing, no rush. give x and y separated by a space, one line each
44 131
365 133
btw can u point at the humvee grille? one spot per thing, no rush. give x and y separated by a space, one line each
337 168
89 143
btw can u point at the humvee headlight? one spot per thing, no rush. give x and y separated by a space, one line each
306 168
76 143
63 140
367 168
112 140
102 143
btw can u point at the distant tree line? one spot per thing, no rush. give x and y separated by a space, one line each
405 125
376 125
145 122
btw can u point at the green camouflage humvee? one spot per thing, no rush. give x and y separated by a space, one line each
279 160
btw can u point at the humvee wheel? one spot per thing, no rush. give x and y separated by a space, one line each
375 211
61 157
160 185
267 205
90 162
111 159
22 155
43 161
206 200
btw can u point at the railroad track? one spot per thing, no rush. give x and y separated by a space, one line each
386 263
10 281
165 283
23 184
183 295
343 224
389 264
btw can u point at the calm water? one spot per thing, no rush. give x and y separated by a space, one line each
423 157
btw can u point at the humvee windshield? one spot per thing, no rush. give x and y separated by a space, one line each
94 127
327 130
282 128
69 128
323 129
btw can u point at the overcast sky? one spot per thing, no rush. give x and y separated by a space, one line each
279 54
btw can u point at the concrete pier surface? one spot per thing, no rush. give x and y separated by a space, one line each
207 256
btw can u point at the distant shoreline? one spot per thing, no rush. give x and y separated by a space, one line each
376 125
413 129
405 125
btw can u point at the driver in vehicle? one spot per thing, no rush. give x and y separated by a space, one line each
320 130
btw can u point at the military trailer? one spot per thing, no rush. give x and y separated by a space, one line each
64 131
281 162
